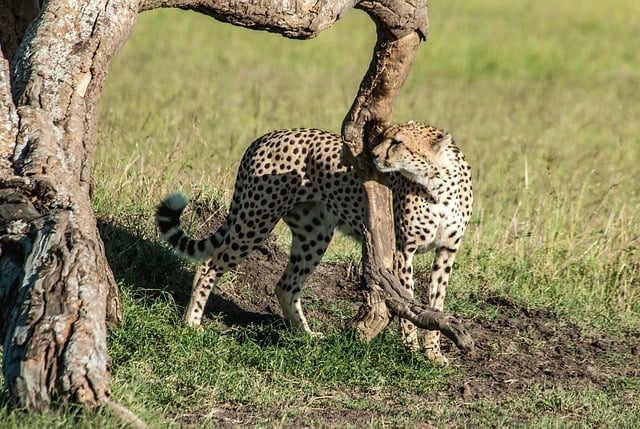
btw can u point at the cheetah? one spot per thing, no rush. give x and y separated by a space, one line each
297 175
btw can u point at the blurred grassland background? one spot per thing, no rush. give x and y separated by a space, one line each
543 98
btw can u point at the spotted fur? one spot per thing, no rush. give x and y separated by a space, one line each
297 175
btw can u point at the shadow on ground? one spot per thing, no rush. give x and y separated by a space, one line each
152 272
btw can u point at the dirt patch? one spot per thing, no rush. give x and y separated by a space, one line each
518 349
523 347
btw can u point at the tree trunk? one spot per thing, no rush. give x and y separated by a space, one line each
54 277
400 27
369 116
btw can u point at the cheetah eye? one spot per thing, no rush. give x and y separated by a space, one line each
395 141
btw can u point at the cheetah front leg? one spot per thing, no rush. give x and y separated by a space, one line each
404 269
440 272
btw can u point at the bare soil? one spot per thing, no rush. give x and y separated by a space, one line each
518 349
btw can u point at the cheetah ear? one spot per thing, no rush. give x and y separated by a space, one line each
411 121
441 141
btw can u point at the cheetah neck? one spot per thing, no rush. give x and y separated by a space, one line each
435 186
436 182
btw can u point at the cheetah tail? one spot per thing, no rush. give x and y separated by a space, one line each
168 220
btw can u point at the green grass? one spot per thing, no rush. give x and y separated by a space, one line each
240 365
541 96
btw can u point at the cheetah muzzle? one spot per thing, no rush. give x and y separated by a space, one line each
296 175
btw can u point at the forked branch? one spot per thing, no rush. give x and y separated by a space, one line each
391 295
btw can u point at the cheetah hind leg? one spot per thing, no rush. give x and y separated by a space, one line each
235 245
205 279
311 230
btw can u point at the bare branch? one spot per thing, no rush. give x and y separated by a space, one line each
15 16
293 19
426 317
400 26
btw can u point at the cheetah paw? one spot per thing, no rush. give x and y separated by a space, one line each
436 357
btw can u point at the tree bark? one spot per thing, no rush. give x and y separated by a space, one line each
54 278
59 286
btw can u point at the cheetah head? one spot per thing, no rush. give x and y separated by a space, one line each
414 150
